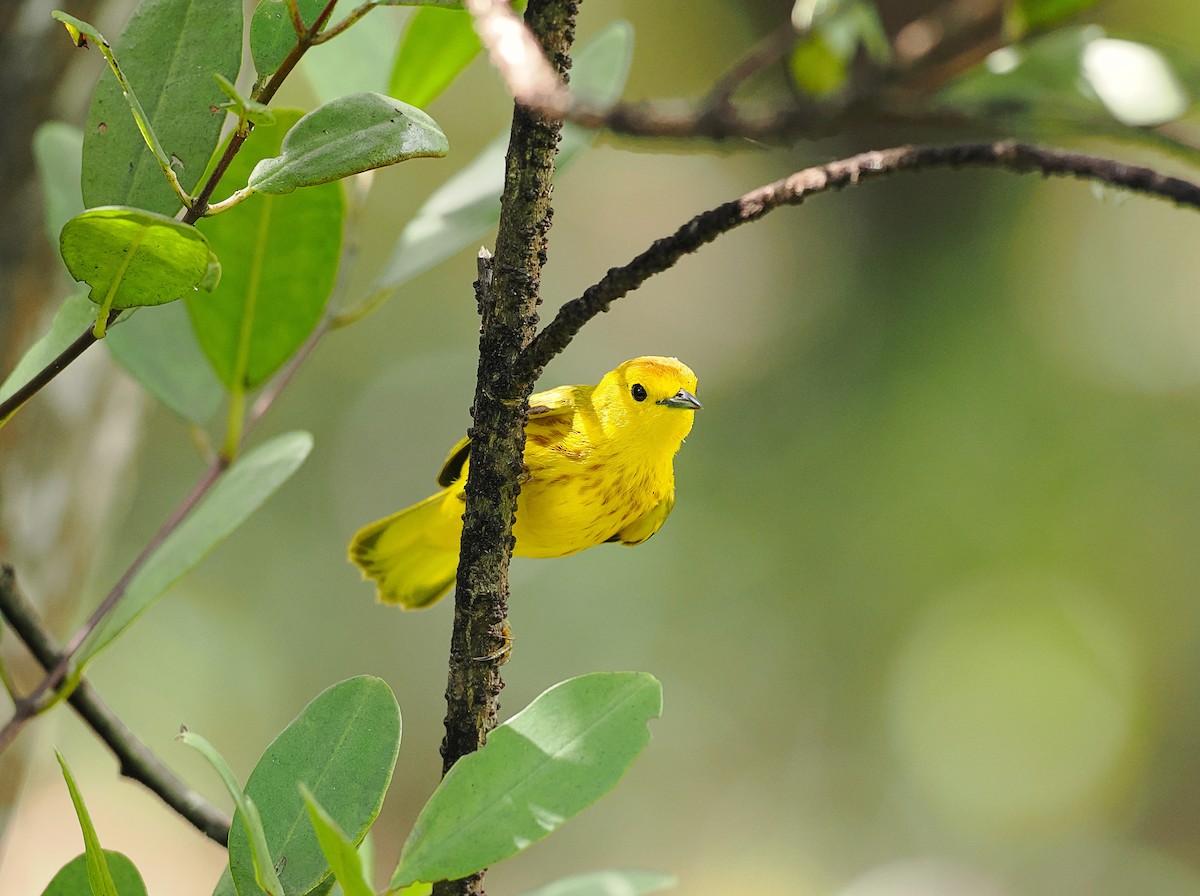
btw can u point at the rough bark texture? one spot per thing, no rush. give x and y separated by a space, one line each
479 644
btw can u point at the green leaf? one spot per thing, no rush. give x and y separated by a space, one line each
816 69
834 31
132 258
1024 16
279 258
338 849
72 878
159 349
343 746
237 494
438 44
58 153
607 883
541 767
467 205
69 322
272 34
169 52
351 134
99 877
265 876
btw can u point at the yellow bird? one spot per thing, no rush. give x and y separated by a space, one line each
599 466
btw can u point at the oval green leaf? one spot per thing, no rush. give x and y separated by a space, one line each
343 748
72 878
131 258
607 883
279 259
549 762
169 52
351 134
238 493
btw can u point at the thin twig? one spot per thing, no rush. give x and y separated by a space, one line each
1019 158
136 760
13 403
353 16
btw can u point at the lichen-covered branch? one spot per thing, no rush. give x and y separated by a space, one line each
508 292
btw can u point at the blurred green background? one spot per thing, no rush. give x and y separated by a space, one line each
925 614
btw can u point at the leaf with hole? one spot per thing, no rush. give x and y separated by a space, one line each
351 134
131 258
543 766
169 52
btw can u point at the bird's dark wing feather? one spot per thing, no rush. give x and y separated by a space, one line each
556 402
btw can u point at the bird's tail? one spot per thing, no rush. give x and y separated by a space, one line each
411 555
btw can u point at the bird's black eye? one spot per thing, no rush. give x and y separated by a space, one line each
638 391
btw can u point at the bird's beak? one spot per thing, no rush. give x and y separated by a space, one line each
682 399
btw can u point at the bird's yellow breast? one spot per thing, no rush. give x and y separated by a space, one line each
576 499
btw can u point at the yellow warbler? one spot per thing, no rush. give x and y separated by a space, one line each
599 466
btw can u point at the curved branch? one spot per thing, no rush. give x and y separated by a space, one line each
1019 158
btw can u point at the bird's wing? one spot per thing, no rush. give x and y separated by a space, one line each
551 407
641 529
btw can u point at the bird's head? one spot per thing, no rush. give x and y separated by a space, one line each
656 397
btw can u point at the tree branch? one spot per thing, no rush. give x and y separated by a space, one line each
508 292
1019 158
136 760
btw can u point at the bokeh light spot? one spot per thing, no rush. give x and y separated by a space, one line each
1014 704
